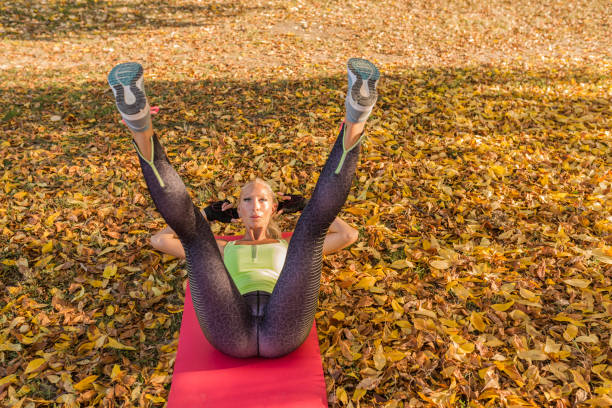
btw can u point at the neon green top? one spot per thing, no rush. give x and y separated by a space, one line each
255 267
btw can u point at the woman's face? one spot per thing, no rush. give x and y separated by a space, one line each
256 206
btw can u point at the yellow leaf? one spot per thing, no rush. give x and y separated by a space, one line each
478 322
588 339
8 187
579 283
379 358
338 316
34 365
66 399
537 355
48 247
395 355
598 368
96 283
110 310
502 307
579 380
341 395
570 332
561 317
112 343
461 291
527 294
518 315
440 264
498 170
401 264
43 261
116 372
373 220
12 378
358 394
50 219
356 211
85 383
85 347
602 401
155 399
603 255
467 347
10 347
109 271
424 324
366 283
425 312
396 306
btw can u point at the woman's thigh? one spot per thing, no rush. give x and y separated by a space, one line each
223 314
290 311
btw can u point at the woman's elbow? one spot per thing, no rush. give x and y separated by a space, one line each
352 236
155 241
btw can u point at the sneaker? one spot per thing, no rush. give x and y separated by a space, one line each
361 97
127 82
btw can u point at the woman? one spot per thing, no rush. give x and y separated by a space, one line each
339 236
283 321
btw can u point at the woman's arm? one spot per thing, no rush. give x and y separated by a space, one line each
167 241
339 236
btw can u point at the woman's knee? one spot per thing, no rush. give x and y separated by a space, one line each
235 346
278 345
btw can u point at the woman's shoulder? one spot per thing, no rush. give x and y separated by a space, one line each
221 244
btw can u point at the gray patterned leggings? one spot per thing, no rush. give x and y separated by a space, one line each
227 319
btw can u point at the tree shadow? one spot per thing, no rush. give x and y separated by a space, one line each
46 20
450 101
459 113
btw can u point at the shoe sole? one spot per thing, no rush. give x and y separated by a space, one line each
363 72
129 75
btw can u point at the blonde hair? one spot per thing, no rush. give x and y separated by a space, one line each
273 231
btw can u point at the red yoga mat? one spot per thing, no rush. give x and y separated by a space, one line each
204 377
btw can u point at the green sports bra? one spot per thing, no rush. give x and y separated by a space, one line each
255 267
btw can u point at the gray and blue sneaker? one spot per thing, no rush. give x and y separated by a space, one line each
127 82
361 96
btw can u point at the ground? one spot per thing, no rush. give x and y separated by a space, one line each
483 198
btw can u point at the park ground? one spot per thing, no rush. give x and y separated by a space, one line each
483 270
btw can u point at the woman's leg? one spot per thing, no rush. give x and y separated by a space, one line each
290 310
223 314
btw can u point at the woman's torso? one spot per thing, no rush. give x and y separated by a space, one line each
255 266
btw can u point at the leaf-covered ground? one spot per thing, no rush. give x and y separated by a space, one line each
483 271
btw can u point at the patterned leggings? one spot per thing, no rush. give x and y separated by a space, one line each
227 319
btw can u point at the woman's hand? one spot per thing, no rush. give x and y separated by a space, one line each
227 206
290 203
221 211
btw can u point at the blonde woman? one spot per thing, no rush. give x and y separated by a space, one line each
258 296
